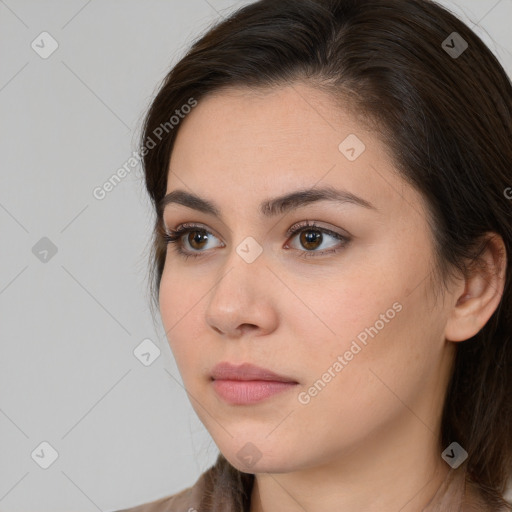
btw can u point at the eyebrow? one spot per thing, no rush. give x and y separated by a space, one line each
270 207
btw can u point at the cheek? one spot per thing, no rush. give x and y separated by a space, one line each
179 306
181 294
330 316
350 399
371 333
379 302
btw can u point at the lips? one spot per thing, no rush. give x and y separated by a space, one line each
247 372
247 384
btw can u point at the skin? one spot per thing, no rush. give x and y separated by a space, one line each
368 439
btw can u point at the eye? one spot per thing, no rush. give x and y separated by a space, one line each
196 237
190 240
312 237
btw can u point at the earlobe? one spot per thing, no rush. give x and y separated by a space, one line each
481 295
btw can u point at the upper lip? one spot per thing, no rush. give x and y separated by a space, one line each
246 371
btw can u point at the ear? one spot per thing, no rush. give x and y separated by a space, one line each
481 293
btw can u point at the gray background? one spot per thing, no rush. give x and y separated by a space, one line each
125 433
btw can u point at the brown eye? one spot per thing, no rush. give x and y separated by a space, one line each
197 239
313 240
310 239
189 240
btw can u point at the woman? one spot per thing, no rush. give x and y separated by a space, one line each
331 181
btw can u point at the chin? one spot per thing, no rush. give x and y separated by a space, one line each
255 458
261 466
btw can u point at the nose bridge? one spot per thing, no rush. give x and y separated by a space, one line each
245 252
241 294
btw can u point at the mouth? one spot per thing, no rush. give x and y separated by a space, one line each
247 383
247 372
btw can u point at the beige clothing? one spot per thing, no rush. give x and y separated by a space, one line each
211 493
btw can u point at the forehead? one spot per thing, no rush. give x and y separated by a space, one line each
247 144
289 127
270 117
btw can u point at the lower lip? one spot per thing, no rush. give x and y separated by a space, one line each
239 392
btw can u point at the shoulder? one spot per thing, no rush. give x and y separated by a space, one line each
221 488
186 500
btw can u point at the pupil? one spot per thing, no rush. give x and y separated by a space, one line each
310 238
196 238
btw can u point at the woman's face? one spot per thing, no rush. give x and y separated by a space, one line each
352 321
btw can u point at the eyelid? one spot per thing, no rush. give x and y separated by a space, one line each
314 224
192 225
292 231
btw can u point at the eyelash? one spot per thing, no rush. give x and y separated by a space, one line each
174 236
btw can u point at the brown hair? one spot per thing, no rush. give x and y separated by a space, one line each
446 120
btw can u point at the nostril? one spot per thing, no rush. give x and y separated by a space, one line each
247 328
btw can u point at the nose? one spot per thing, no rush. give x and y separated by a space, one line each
243 300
